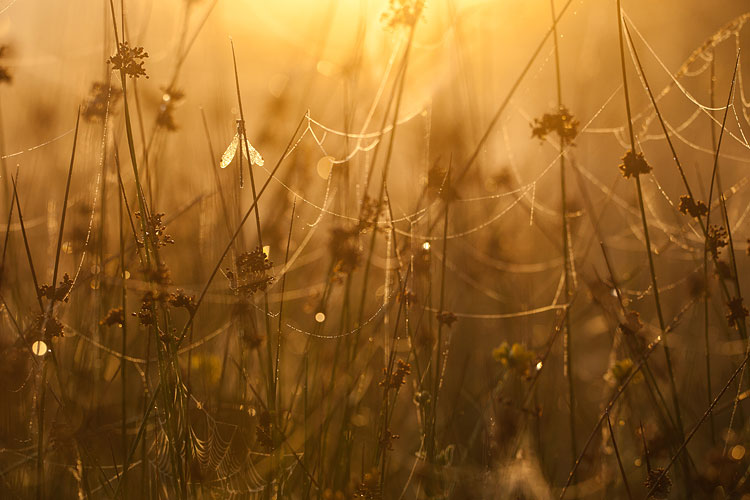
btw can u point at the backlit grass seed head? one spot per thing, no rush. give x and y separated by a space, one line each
129 60
156 230
146 315
398 377
101 100
446 318
58 293
180 299
46 327
515 358
689 206
737 312
631 324
402 13
716 239
662 485
633 165
561 123
252 273
113 317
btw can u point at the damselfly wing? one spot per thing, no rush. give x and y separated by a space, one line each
249 151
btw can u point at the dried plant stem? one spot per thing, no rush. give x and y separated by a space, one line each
647 238
567 264
619 460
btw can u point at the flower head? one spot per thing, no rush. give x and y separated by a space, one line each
129 60
402 13
716 239
562 123
737 312
634 164
113 317
658 479
689 206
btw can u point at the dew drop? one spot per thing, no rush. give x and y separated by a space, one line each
39 348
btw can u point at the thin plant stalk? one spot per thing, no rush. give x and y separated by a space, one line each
647 238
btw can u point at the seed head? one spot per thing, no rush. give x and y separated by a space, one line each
661 484
689 206
561 123
129 60
634 164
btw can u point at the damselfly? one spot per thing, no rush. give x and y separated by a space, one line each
248 151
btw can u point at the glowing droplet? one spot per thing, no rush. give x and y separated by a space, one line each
320 317
637 462
324 166
539 366
738 452
127 275
39 348
94 284
267 250
426 245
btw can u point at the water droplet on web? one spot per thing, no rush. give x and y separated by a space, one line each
324 166
320 317
39 348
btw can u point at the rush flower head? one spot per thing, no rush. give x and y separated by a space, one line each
46 327
129 60
398 377
251 274
113 317
446 318
634 164
689 206
716 238
156 230
661 484
181 299
515 358
402 13
631 324
561 123
59 293
737 312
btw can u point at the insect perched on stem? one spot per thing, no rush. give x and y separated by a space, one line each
250 153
